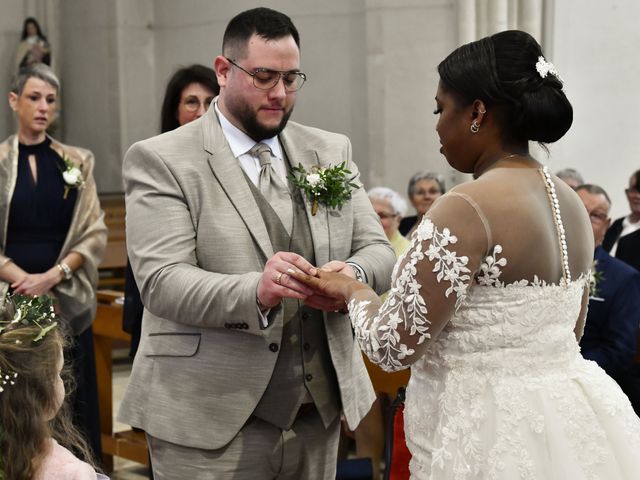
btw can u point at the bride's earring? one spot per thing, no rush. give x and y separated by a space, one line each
475 127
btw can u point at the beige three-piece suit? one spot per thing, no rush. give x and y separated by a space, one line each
198 239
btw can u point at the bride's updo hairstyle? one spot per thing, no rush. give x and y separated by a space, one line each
501 71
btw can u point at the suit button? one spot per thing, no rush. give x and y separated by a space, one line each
305 316
245 325
308 377
306 346
273 347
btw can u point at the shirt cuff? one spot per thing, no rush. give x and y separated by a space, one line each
360 273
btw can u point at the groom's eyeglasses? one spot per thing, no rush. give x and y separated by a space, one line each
265 79
630 190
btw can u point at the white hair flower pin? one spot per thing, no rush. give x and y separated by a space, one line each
545 68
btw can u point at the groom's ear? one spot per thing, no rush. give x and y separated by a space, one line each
221 66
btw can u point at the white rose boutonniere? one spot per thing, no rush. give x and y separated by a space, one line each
72 175
328 186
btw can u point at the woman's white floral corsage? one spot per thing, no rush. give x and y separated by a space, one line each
327 186
595 278
72 175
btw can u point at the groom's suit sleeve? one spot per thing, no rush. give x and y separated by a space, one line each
161 242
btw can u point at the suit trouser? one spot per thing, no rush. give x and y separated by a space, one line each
260 451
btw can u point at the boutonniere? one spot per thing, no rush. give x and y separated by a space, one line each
595 278
72 175
328 186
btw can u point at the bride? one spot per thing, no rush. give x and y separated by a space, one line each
490 298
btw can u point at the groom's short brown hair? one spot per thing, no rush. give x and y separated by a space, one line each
264 22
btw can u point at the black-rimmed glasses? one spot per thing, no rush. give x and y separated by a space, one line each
266 79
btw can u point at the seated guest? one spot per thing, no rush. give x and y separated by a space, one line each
424 188
622 240
611 328
571 177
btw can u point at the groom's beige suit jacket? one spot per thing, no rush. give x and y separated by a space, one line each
197 244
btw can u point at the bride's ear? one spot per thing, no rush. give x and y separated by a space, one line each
478 111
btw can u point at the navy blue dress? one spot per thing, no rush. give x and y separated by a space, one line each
40 215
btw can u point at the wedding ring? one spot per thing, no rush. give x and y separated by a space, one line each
279 277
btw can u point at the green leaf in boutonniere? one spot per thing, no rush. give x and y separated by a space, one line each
71 174
594 279
328 186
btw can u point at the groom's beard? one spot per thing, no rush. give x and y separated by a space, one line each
248 118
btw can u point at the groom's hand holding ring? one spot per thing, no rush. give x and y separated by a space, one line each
276 284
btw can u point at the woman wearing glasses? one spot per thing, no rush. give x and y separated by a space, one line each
424 188
623 237
189 93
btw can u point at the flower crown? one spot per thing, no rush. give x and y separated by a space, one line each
22 311
545 68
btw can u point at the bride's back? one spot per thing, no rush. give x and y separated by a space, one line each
520 218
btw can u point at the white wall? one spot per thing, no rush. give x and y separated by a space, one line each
595 49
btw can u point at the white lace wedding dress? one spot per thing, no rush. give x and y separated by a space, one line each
498 387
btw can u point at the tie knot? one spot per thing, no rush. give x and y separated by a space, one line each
263 152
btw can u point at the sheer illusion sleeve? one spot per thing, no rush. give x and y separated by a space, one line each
430 281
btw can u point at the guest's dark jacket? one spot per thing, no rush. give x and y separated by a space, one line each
406 224
610 332
628 247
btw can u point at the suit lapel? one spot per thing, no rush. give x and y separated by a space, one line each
230 176
318 223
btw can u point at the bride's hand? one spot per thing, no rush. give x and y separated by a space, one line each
331 285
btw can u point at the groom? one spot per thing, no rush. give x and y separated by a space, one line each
240 374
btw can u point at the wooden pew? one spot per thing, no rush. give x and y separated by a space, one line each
107 333
107 329
112 268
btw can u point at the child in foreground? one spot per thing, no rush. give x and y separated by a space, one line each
36 433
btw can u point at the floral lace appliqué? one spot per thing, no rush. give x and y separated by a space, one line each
380 338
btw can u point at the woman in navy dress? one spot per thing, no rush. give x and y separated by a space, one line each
52 234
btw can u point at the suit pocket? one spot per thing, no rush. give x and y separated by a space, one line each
172 344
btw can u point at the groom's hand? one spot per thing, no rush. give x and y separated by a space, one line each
276 284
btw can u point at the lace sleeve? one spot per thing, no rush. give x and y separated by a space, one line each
429 283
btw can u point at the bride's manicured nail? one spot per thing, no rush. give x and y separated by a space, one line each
313 272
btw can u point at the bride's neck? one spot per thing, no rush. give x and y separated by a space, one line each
512 156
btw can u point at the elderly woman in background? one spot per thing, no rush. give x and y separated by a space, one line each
390 207
571 177
424 188
52 231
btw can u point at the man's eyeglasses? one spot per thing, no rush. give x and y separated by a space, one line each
192 104
265 79
630 190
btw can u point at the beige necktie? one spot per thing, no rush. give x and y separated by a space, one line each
272 187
